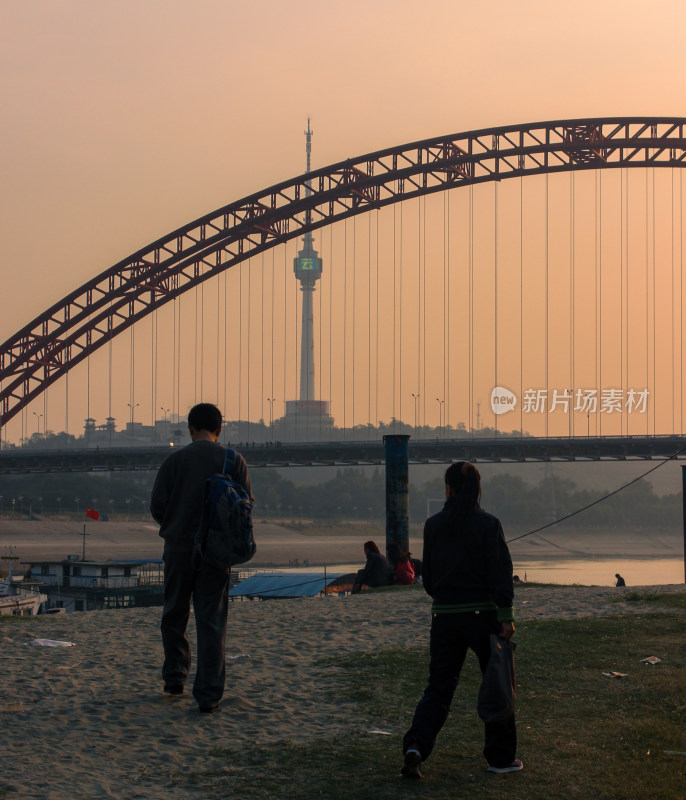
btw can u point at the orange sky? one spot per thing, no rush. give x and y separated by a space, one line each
122 121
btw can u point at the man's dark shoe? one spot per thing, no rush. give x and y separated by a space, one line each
173 689
209 709
410 768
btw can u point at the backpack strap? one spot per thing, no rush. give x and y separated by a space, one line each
229 462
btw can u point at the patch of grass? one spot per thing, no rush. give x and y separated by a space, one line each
671 599
581 735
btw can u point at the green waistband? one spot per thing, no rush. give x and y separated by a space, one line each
502 614
463 608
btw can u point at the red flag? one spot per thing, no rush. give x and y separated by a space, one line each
91 513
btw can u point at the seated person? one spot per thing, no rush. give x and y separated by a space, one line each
376 572
403 570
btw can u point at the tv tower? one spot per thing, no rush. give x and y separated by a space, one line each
306 417
307 267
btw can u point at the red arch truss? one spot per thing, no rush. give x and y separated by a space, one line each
50 345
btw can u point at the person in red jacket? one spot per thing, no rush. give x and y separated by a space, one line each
403 571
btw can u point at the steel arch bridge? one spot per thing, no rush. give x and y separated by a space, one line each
68 332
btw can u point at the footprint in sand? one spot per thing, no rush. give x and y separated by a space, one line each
236 703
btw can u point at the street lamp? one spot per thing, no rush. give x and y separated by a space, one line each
271 400
37 416
165 411
440 414
132 406
416 400
59 505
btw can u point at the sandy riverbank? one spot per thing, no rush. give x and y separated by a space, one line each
95 724
318 543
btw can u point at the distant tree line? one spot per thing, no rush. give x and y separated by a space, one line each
114 495
351 494
243 433
509 497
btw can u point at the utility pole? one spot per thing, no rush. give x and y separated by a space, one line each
440 415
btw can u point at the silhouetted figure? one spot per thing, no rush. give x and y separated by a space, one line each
376 572
467 571
620 580
177 505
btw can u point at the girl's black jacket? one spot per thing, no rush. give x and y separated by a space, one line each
467 565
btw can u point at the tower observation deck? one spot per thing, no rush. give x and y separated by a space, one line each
307 416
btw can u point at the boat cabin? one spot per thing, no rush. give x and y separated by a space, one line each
74 584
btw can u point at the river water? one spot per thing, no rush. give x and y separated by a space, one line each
601 572
587 572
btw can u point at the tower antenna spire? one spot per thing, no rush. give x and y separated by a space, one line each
308 154
308 144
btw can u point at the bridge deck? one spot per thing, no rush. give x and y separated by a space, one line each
432 451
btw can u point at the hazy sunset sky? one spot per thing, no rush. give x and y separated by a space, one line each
124 120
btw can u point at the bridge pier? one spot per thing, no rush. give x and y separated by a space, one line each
683 490
397 453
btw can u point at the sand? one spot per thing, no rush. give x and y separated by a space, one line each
94 722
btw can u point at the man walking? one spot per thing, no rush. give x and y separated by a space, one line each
176 504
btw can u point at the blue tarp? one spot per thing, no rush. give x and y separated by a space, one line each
284 584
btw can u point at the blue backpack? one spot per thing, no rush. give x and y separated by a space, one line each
224 537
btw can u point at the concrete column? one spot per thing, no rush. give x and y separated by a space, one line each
683 490
397 449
